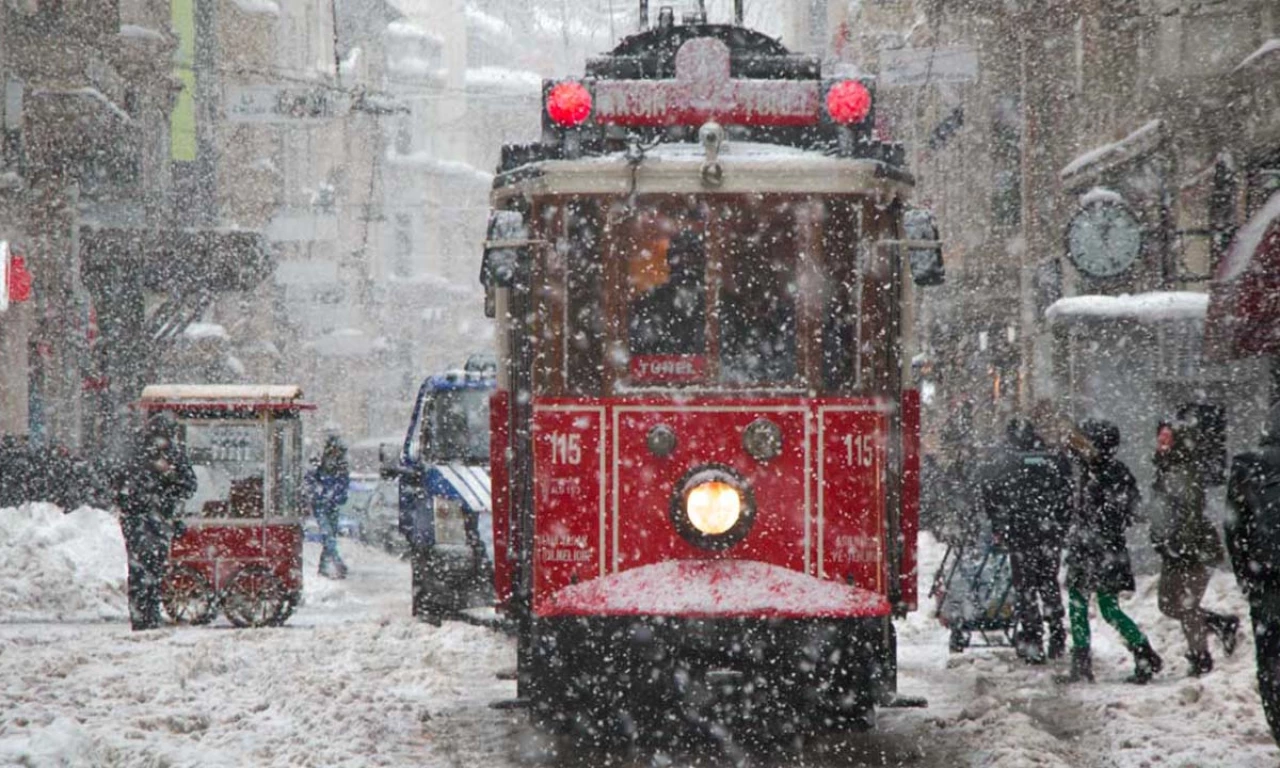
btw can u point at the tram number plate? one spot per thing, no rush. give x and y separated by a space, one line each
568 486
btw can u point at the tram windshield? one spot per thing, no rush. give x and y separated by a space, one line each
710 293
757 309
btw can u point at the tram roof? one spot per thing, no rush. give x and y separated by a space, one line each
749 167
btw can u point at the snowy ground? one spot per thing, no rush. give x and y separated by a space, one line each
353 681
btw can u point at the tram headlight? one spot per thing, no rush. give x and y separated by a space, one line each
713 507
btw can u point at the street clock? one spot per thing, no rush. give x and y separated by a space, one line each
1104 238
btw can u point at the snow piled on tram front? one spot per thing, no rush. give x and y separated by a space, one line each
61 567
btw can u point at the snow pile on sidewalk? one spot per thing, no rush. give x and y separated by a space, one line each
58 567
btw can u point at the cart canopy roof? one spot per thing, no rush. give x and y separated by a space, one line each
238 396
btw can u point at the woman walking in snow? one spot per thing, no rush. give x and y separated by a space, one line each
327 483
1188 546
1098 556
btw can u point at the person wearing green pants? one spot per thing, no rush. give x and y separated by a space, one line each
1098 556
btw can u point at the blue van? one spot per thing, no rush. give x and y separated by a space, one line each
445 510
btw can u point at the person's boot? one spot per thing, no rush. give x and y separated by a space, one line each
1200 663
1146 663
1030 652
1227 628
1081 667
1057 643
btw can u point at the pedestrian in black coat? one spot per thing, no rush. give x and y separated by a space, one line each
1026 493
1253 539
1188 545
155 480
1098 555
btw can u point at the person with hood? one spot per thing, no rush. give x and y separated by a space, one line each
1253 538
327 483
156 478
1026 493
1098 555
1188 545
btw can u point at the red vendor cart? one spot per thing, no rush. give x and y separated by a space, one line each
240 549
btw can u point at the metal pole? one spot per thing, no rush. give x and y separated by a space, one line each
737 12
644 15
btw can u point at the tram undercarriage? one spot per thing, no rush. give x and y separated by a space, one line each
657 678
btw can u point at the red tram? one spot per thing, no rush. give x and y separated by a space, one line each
704 455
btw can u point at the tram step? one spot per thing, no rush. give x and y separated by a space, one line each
508 674
509 704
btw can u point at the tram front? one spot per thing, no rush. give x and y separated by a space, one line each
704 457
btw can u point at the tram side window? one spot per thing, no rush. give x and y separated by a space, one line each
584 277
758 301
666 279
840 317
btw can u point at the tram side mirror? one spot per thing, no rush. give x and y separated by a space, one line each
924 249
505 247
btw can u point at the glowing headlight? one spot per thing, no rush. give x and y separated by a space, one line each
713 507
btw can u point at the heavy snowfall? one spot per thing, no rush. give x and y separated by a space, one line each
361 357
354 680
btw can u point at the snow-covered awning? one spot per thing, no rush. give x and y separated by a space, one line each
1131 147
1148 308
1266 49
1244 311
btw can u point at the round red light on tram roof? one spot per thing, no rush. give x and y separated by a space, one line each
848 101
569 103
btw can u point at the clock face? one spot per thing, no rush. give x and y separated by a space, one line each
1104 239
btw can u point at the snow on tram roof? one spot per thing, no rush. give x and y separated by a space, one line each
746 150
219 393
675 168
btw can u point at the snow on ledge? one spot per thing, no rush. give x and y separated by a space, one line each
426 162
407 30
1265 49
263 7
501 78
135 32
1127 148
714 588
1154 307
205 331
1248 239
1101 195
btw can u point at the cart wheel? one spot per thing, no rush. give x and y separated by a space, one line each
255 598
187 596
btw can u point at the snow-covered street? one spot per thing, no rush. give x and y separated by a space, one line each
352 680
